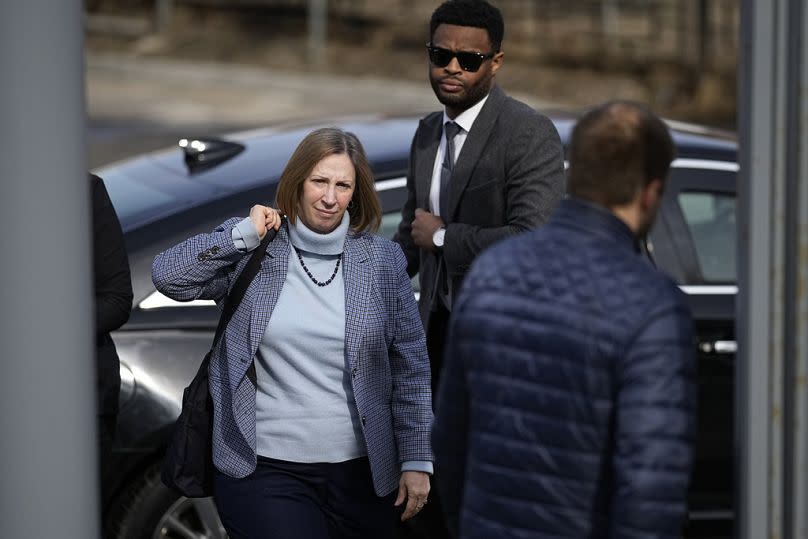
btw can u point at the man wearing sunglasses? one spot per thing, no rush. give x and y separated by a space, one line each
484 168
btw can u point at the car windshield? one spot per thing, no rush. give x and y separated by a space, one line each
143 191
711 220
131 197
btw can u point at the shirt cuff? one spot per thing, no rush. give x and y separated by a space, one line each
417 466
244 236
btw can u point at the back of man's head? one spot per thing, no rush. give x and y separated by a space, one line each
474 13
616 150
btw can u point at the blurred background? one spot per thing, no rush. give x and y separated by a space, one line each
161 69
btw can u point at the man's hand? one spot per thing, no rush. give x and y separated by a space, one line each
264 218
424 226
413 487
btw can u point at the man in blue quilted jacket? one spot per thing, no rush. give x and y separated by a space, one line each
567 404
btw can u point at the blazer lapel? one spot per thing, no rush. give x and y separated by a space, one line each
476 142
357 274
427 148
270 279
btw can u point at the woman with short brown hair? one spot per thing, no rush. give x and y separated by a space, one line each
365 211
333 433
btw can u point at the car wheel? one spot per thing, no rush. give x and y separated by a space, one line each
153 511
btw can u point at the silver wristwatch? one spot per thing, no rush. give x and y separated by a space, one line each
438 236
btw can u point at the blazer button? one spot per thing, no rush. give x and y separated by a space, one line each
214 249
353 372
363 421
202 257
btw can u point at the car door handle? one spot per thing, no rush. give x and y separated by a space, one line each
719 347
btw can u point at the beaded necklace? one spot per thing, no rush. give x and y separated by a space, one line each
306 269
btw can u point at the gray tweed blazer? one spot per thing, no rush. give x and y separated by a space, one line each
384 344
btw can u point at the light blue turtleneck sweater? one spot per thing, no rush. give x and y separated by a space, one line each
305 407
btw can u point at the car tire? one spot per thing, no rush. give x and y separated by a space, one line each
150 510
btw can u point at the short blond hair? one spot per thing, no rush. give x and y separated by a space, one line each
365 209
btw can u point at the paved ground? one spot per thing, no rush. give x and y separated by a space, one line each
191 94
137 104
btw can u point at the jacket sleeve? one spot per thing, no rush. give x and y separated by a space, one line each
450 431
534 184
404 234
199 267
113 282
655 427
409 368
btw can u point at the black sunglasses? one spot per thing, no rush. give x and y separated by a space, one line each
469 61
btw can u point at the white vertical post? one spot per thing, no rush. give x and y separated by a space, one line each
772 308
799 96
47 385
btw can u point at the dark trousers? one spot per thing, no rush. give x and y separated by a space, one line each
291 500
429 523
106 435
435 344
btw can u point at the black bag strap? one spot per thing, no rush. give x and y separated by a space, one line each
242 282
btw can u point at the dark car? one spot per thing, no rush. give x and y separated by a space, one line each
165 197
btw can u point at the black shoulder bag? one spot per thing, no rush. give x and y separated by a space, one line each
188 463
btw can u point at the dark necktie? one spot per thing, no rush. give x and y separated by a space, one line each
451 129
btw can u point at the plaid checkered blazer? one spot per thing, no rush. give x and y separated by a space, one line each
385 345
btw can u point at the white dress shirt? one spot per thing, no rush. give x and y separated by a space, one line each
464 120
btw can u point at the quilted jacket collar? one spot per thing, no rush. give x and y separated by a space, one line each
596 220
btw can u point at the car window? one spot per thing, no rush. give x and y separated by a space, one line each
710 218
388 228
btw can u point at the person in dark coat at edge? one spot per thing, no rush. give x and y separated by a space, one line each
113 303
484 168
567 405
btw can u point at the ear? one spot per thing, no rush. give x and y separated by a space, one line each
496 62
651 194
